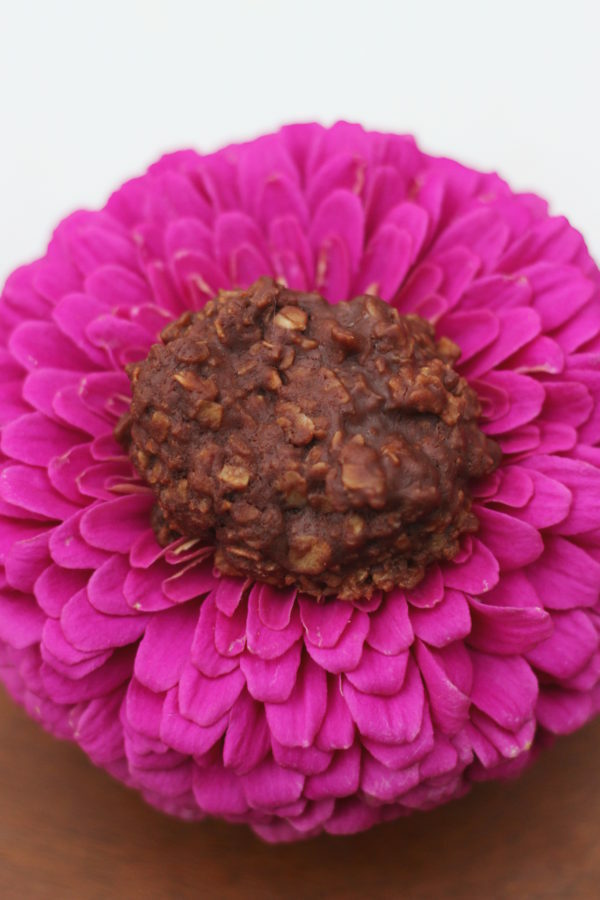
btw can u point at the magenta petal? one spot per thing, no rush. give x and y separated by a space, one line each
394 719
517 328
481 231
205 700
266 642
525 439
385 262
189 582
472 330
171 777
421 284
187 234
198 276
269 786
525 395
337 730
568 401
429 591
414 220
587 678
583 482
55 586
346 654
14 530
449 705
340 214
228 594
315 815
69 550
145 550
88 629
290 251
448 621
65 472
105 587
165 647
549 505
554 437
281 196
510 744
275 606
185 736
386 785
385 188
219 791
99 729
93 246
26 560
507 630
568 648
562 712
399 756
21 620
477 574
514 487
112 525
343 170
35 439
390 631
62 656
332 275
204 653
583 326
324 623
513 542
377 673
106 393
505 688
73 313
143 709
341 779
296 722
247 737
30 490
459 266
40 345
271 680
493 399
442 759
231 231
558 292
306 760
12 403
114 285
230 632
565 576
115 672
542 355
69 406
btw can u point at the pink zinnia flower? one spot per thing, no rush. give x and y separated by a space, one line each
212 696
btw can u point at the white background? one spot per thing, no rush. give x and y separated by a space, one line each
91 92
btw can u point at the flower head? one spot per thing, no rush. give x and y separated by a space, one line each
216 695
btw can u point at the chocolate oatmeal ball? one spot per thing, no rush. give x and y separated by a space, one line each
328 447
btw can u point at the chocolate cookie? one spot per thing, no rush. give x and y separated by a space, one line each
324 446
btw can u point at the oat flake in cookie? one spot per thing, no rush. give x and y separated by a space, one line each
325 446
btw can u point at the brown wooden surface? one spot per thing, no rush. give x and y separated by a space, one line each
67 830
